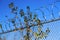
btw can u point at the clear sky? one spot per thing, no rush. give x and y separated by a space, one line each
54 27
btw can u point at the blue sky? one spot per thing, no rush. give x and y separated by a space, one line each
54 27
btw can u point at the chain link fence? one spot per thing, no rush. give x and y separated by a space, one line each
40 24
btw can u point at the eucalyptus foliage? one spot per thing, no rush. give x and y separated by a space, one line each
30 20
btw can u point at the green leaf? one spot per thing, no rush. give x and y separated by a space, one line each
38 22
35 15
28 7
11 5
13 21
39 29
14 10
26 37
21 12
0 25
30 15
47 31
25 19
43 35
34 18
36 34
